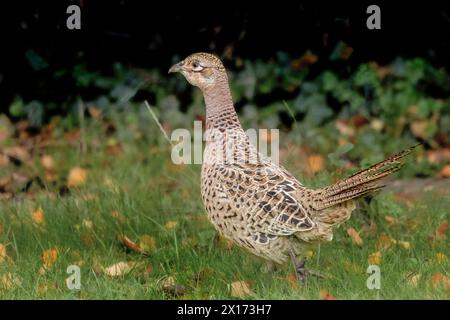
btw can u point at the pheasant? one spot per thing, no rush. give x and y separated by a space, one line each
253 201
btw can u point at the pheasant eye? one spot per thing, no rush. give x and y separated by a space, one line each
196 66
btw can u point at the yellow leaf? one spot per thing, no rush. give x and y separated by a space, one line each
441 258
356 238
38 216
240 289
2 252
384 241
77 177
375 258
170 225
49 257
405 244
325 295
119 269
147 243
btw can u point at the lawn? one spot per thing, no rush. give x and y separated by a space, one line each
123 183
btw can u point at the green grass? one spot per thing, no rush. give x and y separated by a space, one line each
148 191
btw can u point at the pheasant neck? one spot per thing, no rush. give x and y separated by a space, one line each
220 112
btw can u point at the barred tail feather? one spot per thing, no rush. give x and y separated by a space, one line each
360 183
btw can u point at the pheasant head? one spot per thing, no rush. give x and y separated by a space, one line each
203 70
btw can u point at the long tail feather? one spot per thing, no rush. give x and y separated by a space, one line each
360 183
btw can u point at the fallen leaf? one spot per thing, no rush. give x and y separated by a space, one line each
316 163
391 220
170 225
441 231
147 243
2 253
375 258
38 216
240 289
77 177
10 281
384 241
292 279
404 244
119 269
325 295
441 258
87 223
49 258
439 279
413 279
445 171
47 162
356 238
131 245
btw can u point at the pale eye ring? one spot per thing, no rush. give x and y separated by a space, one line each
196 66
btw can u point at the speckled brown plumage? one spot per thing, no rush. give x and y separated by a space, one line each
253 201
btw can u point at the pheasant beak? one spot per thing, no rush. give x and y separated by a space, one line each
176 67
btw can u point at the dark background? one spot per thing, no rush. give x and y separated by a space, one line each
148 34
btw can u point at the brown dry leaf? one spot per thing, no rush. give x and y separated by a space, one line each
292 279
131 245
442 230
384 241
47 162
326 295
240 289
316 163
38 216
445 171
147 243
77 177
356 238
439 279
119 269
170 225
391 220
375 258
49 258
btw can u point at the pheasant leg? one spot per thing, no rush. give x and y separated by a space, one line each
301 272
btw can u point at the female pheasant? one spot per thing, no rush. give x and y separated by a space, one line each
255 202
